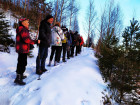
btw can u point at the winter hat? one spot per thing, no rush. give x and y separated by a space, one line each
63 27
76 32
49 16
23 19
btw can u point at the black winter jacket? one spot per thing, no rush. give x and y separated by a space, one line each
45 34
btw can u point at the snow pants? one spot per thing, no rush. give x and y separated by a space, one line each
22 62
72 50
54 50
64 47
77 50
59 53
68 52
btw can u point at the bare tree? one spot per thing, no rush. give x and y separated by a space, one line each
27 10
73 9
18 3
90 19
63 8
14 3
75 23
56 10
60 9
63 11
62 5
24 7
110 22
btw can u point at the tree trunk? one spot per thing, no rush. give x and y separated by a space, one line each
14 4
19 3
74 22
61 10
56 13
25 8
71 14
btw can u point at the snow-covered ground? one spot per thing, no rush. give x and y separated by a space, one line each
76 82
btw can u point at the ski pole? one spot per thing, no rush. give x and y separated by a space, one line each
39 62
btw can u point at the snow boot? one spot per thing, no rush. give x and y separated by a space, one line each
64 60
39 72
72 56
23 76
44 70
19 80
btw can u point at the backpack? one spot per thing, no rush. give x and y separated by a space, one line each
56 40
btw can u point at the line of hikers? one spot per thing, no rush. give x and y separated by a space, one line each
59 38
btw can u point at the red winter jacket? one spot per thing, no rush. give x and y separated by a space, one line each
23 40
82 41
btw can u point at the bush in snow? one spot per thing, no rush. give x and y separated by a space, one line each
5 38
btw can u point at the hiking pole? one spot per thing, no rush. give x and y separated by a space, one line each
39 63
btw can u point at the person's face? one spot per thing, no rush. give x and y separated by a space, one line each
50 20
25 23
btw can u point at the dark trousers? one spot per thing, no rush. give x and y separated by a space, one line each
72 50
41 58
22 62
54 49
59 53
64 47
80 49
77 50
68 51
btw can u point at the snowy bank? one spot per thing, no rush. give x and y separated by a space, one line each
76 82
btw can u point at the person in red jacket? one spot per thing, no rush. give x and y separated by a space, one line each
81 44
23 42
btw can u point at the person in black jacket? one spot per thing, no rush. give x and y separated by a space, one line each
69 42
45 41
74 36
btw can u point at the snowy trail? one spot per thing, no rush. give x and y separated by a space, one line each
76 82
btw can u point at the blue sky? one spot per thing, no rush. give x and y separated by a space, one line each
129 9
